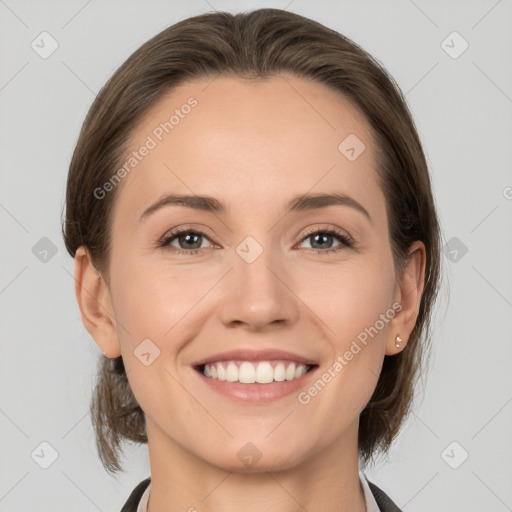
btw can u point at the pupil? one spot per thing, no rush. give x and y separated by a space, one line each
189 237
321 237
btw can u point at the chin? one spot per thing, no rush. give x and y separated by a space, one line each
254 457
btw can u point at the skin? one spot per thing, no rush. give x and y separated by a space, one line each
253 145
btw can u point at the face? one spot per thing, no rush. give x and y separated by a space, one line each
305 282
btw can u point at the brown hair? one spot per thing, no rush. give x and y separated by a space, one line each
257 44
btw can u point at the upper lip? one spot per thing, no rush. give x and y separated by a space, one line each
254 355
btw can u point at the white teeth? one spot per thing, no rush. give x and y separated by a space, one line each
261 372
246 373
290 372
300 371
279 372
264 373
231 372
221 373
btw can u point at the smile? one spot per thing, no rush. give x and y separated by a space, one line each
255 381
261 372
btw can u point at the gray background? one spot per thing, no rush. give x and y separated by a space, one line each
462 107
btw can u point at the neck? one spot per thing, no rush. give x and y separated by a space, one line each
326 481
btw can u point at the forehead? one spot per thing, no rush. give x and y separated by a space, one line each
231 104
250 140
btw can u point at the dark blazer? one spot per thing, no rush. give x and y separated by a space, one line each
383 500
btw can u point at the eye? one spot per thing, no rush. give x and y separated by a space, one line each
322 240
188 240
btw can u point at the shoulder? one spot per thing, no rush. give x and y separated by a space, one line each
385 503
134 498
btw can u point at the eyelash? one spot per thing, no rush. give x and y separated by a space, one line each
346 241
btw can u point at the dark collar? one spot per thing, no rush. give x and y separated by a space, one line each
133 501
383 500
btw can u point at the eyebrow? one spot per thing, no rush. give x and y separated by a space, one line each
298 203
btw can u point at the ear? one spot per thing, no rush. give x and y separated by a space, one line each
408 293
95 303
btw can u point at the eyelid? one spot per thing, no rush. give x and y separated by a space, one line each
200 229
172 234
330 229
345 239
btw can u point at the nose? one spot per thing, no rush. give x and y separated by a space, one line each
258 294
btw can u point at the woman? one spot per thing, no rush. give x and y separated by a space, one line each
257 257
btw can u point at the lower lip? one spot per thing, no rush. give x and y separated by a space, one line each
255 392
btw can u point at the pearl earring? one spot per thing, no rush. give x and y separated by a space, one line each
398 340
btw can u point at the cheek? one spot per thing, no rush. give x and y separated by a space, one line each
350 297
345 384
151 301
360 311
151 307
357 311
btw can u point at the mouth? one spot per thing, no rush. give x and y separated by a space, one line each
255 372
255 382
255 376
